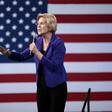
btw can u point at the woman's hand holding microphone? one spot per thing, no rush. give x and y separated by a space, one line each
33 48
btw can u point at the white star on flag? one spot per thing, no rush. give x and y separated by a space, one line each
27 15
27 27
20 33
27 2
8 9
1 15
21 9
40 2
14 27
8 21
14 2
14 39
7 33
7 45
34 9
21 21
1 27
20 45
26 39
2 2
14 15
1 39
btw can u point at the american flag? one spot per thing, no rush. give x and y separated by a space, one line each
86 28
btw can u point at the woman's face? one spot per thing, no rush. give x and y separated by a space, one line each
42 26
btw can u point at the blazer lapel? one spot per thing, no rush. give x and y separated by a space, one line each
52 39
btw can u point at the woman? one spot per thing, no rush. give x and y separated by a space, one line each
48 53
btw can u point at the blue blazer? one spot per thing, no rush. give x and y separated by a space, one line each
52 60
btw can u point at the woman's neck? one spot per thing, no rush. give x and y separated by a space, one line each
47 37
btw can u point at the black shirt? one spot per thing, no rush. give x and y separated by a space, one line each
41 77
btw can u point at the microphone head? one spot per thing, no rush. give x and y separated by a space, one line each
35 36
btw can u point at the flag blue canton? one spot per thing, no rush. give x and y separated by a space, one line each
17 23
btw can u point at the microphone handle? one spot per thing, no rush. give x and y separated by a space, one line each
34 40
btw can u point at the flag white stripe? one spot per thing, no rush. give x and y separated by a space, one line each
105 86
80 8
84 28
94 106
70 106
10 68
18 107
72 67
88 67
78 86
18 87
88 47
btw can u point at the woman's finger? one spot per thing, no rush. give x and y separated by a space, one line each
8 49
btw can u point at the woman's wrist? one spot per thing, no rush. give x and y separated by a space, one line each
39 54
8 53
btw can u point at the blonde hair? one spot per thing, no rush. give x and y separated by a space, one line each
51 21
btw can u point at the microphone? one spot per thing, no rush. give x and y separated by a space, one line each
34 40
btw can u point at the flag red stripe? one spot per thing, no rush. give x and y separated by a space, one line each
89 76
94 96
86 37
91 18
79 2
17 78
18 97
14 78
88 57
77 96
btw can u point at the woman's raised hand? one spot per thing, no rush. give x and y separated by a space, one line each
5 51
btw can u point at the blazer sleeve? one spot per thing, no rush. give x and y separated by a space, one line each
57 57
22 56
